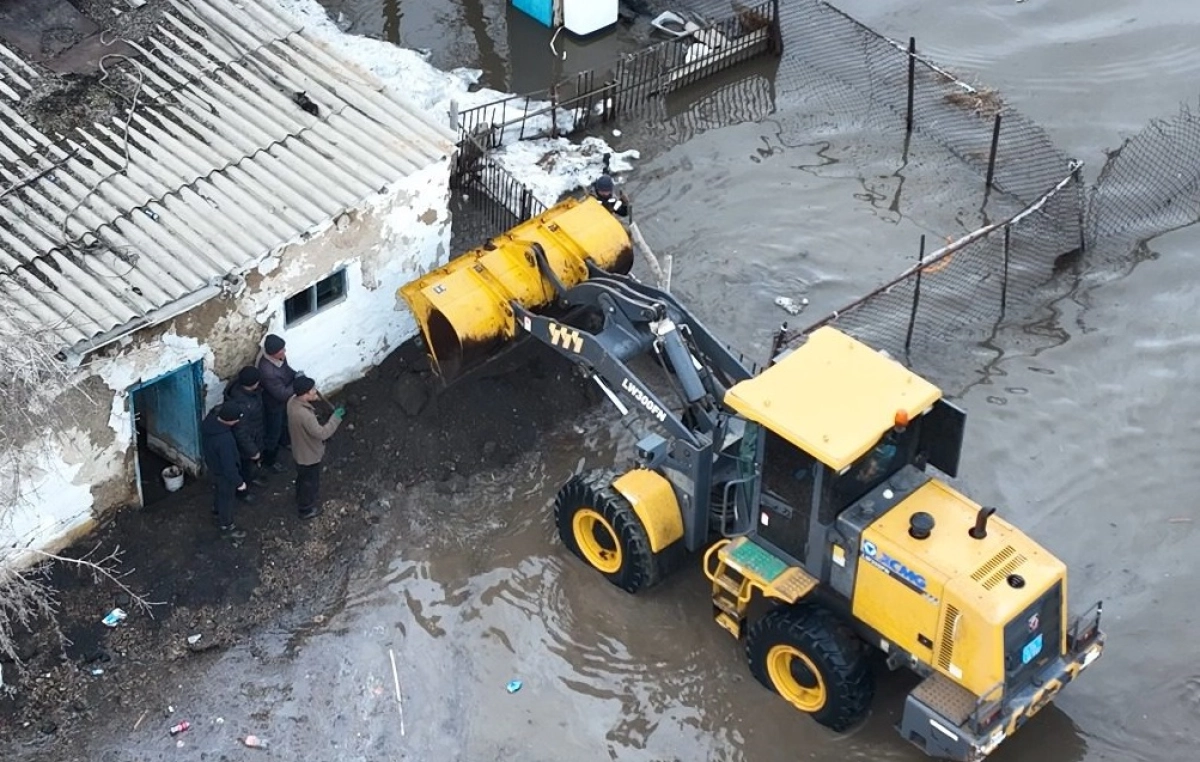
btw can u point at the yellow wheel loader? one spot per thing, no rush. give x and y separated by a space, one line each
810 487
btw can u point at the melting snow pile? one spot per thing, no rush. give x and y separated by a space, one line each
409 73
553 167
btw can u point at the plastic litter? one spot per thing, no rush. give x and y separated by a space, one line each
790 305
254 742
97 672
114 617
513 686
194 639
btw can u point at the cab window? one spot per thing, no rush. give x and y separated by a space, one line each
892 452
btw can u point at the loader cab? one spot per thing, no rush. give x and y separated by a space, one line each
827 424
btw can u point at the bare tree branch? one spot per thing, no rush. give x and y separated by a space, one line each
32 380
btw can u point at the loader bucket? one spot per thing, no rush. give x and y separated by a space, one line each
464 308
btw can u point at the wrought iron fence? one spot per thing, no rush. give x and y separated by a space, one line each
567 107
488 200
638 83
485 198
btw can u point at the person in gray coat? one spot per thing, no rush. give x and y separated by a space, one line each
308 444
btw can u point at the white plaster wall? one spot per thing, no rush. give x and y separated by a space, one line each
53 496
401 234
342 342
51 501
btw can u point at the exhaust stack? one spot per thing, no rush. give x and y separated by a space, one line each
979 531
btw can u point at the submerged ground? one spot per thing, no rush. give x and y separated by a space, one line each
1081 434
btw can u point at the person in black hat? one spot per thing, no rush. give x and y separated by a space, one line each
276 377
224 468
246 392
605 191
308 444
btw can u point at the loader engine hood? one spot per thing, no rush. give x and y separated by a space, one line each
980 609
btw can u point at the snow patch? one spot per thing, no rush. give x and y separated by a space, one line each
408 74
49 503
145 363
552 167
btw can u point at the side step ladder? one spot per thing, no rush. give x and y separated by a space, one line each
742 567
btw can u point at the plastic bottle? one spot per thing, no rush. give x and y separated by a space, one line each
181 727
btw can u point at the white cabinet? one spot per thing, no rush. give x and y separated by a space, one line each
583 17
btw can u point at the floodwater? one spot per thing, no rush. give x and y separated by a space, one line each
1085 441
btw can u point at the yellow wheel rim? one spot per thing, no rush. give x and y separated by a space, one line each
796 678
597 540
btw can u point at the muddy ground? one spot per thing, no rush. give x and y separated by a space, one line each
1084 439
403 428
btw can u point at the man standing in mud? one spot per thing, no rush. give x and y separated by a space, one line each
224 467
277 377
308 443
246 393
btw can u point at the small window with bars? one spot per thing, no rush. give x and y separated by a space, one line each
316 298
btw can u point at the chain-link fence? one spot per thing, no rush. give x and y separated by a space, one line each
955 296
830 64
1150 185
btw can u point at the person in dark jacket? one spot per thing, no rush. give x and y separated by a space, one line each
246 393
224 467
605 191
276 377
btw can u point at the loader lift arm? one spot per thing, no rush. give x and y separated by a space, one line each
638 320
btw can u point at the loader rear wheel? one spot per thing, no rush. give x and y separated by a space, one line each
811 659
600 526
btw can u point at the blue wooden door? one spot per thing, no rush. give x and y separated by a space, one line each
169 409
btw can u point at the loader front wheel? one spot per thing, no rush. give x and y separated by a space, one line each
811 659
600 526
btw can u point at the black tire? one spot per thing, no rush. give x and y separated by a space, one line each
836 663
588 503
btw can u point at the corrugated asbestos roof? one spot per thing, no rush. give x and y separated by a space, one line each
223 166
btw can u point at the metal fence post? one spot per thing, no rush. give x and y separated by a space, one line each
553 111
776 44
912 77
1082 209
912 318
992 156
1004 280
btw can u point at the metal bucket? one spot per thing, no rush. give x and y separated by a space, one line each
172 478
464 309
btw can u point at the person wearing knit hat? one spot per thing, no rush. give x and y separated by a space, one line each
221 462
308 443
276 377
605 191
245 392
